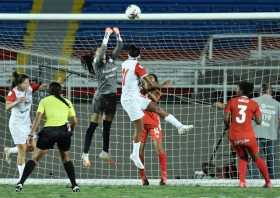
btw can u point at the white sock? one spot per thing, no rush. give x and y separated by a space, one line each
119 38
172 120
13 149
106 38
136 148
20 169
85 156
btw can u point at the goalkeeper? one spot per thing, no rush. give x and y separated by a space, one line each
104 101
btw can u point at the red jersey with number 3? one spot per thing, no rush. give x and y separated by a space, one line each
243 110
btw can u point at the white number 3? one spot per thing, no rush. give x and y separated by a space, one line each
241 119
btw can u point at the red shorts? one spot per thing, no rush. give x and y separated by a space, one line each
155 133
245 146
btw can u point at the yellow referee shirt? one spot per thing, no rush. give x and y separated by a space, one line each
55 111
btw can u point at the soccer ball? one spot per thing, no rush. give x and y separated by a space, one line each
133 12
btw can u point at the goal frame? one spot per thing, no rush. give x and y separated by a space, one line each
144 17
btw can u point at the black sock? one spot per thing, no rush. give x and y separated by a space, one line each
69 168
88 137
106 135
29 166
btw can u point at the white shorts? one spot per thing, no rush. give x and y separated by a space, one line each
19 132
134 106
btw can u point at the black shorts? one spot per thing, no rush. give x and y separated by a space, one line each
60 135
105 103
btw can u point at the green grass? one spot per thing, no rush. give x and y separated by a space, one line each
48 191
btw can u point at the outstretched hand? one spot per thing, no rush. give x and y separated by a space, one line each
109 30
43 86
116 30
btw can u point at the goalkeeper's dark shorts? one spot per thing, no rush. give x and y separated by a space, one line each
49 136
105 103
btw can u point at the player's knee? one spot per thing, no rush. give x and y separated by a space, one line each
66 158
20 158
95 118
108 117
39 155
255 156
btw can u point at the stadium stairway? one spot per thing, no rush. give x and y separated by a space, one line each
53 38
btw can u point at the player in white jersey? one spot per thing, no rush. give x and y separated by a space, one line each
134 103
19 101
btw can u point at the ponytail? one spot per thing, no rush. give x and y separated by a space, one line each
55 89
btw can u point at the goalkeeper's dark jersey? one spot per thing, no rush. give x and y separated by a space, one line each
106 74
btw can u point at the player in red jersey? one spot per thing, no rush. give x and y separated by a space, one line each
152 126
239 113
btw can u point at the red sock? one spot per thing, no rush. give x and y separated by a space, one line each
263 169
163 165
142 171
242 169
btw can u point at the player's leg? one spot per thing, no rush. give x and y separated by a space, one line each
269 157
44 143
242 163
21 158
153 107
29 167
156 135
110 104
8 151
139 127
94 119
63 144
69 168
253 150
136 114
19 133
143 139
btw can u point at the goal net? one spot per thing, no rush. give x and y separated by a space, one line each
204 59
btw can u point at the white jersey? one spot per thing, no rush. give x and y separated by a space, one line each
20 122
131 72
131 99
21 112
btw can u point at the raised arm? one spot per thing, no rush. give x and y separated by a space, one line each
116 52
100 52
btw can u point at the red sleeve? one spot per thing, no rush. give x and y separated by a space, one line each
11 97
140 71
34 86
258 112
227 109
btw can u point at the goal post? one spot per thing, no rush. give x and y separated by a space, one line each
149 17
203 54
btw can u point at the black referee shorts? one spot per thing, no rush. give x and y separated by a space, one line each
105 103
49 136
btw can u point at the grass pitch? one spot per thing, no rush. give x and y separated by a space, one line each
59 191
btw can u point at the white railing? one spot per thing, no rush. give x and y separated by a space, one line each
211 42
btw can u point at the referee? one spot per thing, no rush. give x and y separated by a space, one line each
60 120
